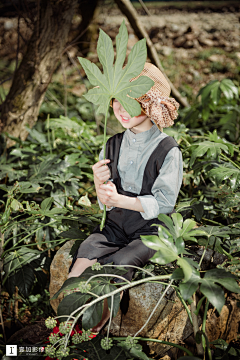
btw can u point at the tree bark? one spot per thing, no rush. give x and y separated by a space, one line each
129 11
31 79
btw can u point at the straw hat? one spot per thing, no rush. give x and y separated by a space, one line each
156 103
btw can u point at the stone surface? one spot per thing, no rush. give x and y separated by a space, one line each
169 322
59 271
224 326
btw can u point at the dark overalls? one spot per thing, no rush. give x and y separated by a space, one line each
119 242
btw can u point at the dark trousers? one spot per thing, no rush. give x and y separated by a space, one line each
113 246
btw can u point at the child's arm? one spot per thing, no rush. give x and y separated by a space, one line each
110 197
101 174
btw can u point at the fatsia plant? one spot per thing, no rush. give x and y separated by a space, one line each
114 82
169 243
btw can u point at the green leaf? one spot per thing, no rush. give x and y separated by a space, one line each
224 278
178 221
137 352
229 89
69 284
190 287
206 91
17 258
188 225
214 293
215 93
177 274
96 352
115 81
163 257
73 234
92 316
168 222
179 243
72 302
23 279
228 171
16 205
167 251
46 204
211 148
186 267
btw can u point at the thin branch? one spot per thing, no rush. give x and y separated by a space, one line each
132 266
108 275
144 7
110 319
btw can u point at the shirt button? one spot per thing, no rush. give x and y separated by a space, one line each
131 162
134 140
129 188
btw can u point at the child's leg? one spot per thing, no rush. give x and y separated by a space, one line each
80 265
135 253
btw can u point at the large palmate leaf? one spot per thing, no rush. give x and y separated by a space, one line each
212 149
114 82
168 251
99 286
214 137
72 283
17 258
179 228
209 286
224 172
212 91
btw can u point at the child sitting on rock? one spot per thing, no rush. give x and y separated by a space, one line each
143 175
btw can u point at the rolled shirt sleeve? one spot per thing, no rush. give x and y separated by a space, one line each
165 188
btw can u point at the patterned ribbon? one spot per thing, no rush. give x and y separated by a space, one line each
162 110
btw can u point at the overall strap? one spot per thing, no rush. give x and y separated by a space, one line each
155 162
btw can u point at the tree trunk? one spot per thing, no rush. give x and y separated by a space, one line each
31 79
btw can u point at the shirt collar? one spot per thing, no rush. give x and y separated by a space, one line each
144 136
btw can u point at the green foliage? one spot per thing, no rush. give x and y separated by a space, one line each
209 287
217 108
39 177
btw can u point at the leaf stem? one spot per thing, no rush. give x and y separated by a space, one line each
110 319
212 221
204 323
104 156
203 254
226 158
44 225
185 305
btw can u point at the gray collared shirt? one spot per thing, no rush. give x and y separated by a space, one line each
134 153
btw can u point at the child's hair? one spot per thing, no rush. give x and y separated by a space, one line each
156 103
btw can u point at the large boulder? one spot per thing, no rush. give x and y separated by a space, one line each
59 272
169 322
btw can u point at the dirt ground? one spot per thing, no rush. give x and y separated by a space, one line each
194 46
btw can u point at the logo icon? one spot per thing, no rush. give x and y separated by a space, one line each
11 350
